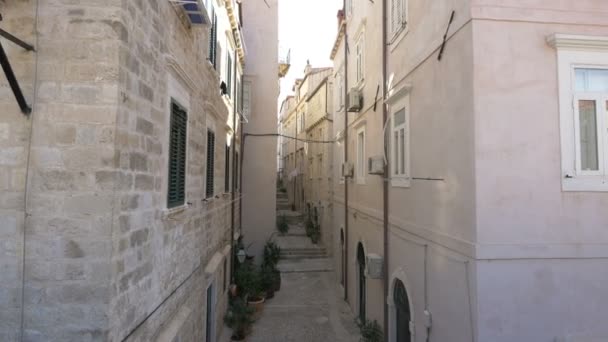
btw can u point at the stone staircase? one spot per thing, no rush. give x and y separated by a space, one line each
298 253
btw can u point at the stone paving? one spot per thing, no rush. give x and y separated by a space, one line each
307 309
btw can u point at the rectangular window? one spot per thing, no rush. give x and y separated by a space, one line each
229 74
212 53
591 121
176 192
360 58
239 96
209 329
303 118
246 99
398 15
399 142
236 170
583 91
340 87
360 171
227 170
225 285
209 191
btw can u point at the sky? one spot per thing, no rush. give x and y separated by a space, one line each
308 28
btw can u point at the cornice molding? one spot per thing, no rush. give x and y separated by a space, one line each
578 42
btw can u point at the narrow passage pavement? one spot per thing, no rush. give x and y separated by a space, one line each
309 307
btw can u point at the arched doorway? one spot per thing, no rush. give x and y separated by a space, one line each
402 313
342 266
361 282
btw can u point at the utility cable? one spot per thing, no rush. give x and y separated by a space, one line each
289 137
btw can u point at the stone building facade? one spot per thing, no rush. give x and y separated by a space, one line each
307 171
494 184
93 249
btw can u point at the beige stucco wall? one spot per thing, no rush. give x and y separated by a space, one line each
260 162
543 249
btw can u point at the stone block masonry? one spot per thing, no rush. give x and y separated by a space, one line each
89 251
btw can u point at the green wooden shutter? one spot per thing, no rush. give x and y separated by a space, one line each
210 164
213 40
176 192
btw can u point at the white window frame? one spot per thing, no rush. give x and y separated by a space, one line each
400 179
179 91
350 8
398 99
361 169
401 24
360 59
578 51
340 87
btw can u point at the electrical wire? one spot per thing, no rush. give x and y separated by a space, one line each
290 137
27 171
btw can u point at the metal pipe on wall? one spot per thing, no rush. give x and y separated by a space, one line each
385 180
345 151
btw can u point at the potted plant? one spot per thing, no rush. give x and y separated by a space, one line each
238 318
371 331
267 280
247 278
282 225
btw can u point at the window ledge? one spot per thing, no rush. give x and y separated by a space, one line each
397 37
400 182
585 184
170 212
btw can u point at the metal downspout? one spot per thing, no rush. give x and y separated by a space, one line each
345 152
386 175
232 192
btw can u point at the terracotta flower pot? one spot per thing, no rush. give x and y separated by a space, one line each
258 305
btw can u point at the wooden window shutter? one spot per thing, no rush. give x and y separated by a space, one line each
209 191
213 41
177 157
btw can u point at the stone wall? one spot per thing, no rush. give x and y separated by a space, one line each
104 258
15 130
160 257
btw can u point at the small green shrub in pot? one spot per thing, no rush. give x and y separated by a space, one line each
272 254
238 318
282 225
371 331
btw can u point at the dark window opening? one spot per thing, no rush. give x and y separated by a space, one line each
177 157
209 191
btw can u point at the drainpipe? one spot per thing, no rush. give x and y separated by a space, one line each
345 152
386 175
233 157
295 163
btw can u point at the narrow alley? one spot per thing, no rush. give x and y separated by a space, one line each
308 308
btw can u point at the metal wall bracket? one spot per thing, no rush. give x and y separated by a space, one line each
8 70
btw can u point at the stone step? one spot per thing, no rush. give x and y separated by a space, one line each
305 265
303 256
303 250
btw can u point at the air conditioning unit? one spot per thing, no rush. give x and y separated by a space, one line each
355 100
348 170
374 266
375 165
